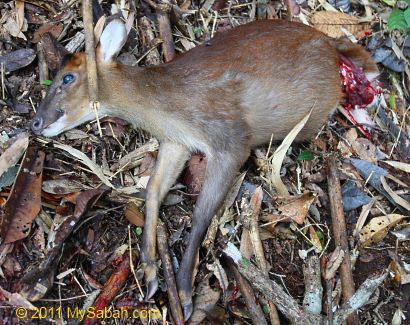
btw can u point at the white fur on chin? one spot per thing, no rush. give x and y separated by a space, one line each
62 125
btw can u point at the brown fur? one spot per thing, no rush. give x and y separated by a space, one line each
221 98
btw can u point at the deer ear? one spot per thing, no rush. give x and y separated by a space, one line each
112 40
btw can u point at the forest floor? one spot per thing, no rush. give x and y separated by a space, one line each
68 240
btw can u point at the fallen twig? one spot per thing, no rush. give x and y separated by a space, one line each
360 297
165 32
112 287
251 223
339 231
175 304
273 291
92 75
255 311
312 300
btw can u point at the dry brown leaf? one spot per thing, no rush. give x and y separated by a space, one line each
365 149
24 202
62 186
331 22
134 214
195 174
378 228
297 207
147 164
345 148
54 29
11 26
134 158
13 153
16 60
19 13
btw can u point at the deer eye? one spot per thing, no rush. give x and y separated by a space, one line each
68 78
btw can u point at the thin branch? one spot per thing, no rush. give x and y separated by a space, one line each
339 231
273 291
92 75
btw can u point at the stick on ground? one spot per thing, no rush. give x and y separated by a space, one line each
90 55
339 232
175 304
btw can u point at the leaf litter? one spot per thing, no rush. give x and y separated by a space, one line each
66 231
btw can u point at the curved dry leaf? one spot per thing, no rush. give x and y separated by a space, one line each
86 161
399 165
331 23
217 269
19 6
378 228
83 202
24 202
62 186
13 153
280 153
397 198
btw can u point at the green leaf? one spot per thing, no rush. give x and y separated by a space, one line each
197 30
47 82
138 231
390 3
407 15
306 155
392 102
321 237
397 21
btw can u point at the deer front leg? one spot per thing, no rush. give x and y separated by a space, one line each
220 172
171 160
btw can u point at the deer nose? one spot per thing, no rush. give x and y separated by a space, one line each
37 124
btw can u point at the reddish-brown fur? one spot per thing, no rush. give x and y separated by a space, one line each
221 98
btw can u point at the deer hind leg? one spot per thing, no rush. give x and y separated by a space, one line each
171 160
220 172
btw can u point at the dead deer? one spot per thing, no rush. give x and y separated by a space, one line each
221 99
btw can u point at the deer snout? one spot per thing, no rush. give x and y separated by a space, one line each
37 125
